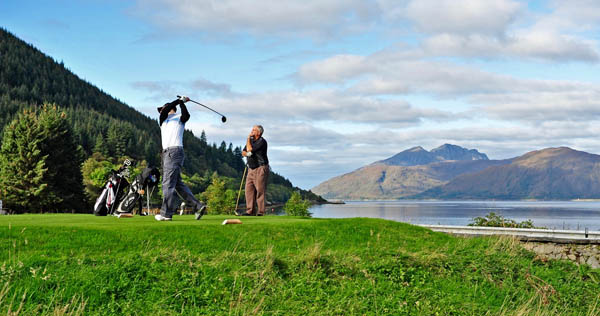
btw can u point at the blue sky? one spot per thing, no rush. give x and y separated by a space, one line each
339 84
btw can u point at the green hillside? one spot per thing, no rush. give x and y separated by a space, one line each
275 265
101 123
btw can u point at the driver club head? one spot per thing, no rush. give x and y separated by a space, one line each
223 119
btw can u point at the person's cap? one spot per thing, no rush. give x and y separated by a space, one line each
161 107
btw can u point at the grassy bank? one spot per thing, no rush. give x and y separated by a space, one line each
81 264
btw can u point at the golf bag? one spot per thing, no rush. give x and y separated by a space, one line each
113 191
144 183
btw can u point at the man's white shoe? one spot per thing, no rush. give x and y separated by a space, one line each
159 217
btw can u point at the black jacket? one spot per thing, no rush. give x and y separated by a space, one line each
259 153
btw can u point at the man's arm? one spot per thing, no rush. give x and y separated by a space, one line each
185 115
248 144
164 113
259 144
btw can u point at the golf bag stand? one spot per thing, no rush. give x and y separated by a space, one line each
144 184
113 191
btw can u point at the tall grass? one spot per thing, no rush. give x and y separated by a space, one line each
80 264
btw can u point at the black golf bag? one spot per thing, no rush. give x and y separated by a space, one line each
113 191
144 183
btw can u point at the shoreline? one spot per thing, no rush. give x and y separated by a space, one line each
343 201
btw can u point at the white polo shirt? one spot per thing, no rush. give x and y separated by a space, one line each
171 131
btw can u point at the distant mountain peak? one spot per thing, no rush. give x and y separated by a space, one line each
419 156
454 152
416 149
446 146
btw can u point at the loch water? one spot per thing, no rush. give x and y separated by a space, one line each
570 215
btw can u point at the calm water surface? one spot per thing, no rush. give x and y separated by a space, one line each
573 215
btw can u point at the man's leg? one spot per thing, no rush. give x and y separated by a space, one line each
261 187
189 197
250 191
171 176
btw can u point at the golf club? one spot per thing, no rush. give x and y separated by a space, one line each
240 191
223 118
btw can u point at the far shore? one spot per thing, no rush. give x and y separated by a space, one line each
343 201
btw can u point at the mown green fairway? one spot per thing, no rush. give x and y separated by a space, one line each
81 264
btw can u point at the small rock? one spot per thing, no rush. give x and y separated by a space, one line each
593 262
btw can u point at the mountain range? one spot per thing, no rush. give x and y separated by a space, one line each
453 172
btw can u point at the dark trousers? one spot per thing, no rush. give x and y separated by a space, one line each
172 162
256 189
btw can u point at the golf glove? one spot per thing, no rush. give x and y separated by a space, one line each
248 154
184 98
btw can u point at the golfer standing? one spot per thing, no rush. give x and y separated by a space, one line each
172 126
258 171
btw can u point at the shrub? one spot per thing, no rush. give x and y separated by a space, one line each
219 200
494 220
296 206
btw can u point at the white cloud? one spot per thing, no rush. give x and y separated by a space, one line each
338 68
464 28
312 18
575 15
581 104
388 74
169 89
548 45
527 44
330 105
502 29
489 17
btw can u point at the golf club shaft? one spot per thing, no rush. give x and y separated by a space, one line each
204 106
240 191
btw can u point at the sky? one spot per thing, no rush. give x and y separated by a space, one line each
339 84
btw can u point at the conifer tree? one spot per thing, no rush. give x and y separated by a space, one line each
65 158
296 206
203 138
100 145
40 163
219 200
23 169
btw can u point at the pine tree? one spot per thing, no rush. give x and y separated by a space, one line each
115 141
219 200
296 206
23 166
100 145
65 158
40 163
203 138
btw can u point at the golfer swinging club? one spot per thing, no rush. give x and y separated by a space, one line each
258 171
172 126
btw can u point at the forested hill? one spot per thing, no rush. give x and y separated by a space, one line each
100 122
29 77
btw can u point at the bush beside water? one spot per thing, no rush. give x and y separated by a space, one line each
494 220
296 206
